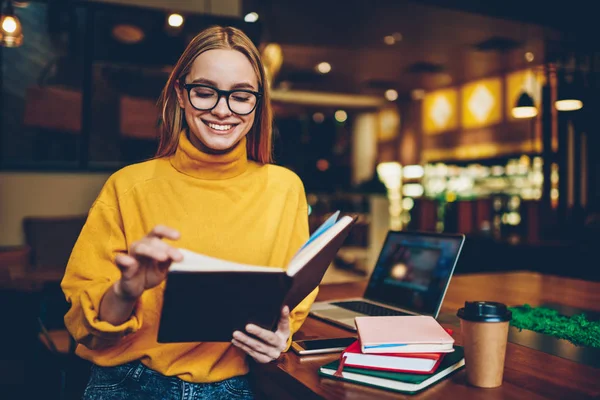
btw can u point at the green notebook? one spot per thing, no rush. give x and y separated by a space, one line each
397 381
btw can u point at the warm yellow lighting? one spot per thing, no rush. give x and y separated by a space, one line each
481 102
399 271
568 105
390 173
175 20
390 40
413 172
439 111
251 17
272 57
518 83
11 33
323 67
341 116
318 117
412 190
408 203
391 95
9 25
524 112
389 124
529 56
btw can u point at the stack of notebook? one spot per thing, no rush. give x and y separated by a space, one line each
402 353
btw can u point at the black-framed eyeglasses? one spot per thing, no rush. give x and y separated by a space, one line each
205 98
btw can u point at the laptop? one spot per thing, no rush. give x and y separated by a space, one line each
411 277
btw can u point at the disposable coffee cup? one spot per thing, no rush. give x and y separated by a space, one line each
484 327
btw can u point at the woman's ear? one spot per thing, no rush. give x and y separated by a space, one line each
180 95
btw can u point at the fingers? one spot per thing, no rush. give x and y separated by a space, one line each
174 254
164 232
155 249
283 327
127 264
261 351
259 357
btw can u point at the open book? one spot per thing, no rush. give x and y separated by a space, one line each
206 299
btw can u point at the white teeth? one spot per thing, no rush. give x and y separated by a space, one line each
220 127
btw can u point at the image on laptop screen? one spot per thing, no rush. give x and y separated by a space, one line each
412 271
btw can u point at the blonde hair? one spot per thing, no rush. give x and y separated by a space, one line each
259 138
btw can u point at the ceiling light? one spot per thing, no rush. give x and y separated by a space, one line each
324 67
251 17
341 116
391 95
529 56
175 20
11 32
568 105
567 99
525 107
392 39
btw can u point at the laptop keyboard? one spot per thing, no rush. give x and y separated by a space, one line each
370 309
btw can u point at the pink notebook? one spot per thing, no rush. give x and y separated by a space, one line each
403 334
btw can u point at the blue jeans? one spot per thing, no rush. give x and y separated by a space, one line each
135 381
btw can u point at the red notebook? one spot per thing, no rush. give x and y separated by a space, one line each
422 363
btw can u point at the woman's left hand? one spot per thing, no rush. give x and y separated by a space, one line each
265 346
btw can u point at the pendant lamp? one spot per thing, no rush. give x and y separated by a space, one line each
525 107
568 100
11 32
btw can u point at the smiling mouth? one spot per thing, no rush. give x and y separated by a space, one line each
220 128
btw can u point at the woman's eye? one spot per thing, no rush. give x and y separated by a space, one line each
203 93
241 97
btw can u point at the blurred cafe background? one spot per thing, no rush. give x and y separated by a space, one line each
448 116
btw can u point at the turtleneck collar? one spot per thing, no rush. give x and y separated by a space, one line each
193 162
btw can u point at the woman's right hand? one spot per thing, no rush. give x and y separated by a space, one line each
147 263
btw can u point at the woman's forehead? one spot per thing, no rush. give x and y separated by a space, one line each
225 67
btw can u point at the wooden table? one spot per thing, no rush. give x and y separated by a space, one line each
528 374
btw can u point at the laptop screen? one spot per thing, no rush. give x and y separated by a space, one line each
413 270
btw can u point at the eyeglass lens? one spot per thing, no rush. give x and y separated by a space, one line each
205 98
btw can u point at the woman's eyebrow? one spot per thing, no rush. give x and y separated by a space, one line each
240 85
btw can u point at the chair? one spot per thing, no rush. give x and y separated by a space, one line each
51 239
13 260
59 345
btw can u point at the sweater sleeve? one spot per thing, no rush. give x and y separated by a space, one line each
300 235
90 273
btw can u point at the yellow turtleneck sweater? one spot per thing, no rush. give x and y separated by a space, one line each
224 206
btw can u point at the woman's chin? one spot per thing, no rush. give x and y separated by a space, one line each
218 143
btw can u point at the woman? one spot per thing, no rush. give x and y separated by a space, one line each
210 189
